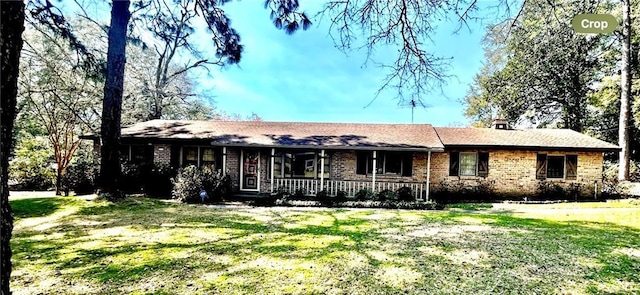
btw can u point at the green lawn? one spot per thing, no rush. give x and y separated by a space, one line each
142 246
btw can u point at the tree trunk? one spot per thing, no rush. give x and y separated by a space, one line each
12 17
110 169
625 93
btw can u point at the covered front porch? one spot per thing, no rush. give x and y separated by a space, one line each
311 187
344 172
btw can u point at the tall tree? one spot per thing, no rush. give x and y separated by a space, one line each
52 91
549 69
112 102
11 28
228 50
625 81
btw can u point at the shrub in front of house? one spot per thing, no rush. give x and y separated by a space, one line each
325 199
153 180
386 195
364 194
405 193
157 184
191 180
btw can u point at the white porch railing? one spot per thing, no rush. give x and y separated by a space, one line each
349 187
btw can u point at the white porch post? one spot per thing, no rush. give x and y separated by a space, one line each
224 160
373 178
321 170
273 163
428 173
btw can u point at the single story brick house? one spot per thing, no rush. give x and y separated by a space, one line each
266 157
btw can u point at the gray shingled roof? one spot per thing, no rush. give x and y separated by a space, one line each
327 135
521 138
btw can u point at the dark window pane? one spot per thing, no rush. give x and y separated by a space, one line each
392 163
208 158
572 167
407 164
483 164
327 165
361 162
379 163
454 160
189 156
141 154
555 167
304 165
278 161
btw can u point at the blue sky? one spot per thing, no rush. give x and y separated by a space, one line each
303 77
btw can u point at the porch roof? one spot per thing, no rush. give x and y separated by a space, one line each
521 139
286 134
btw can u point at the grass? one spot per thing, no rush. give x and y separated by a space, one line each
143 246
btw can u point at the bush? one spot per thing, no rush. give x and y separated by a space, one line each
80 178
385 195
324 198
31 167
364 195
341 196
405 193
154 180
190 180
157 183
550 191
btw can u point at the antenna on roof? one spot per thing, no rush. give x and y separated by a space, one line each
413 103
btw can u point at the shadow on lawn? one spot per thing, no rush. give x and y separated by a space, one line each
518 254
37 207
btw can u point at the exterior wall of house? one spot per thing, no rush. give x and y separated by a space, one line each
162 154
233 167
512 174
343 167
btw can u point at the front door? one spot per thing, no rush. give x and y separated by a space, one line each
250 170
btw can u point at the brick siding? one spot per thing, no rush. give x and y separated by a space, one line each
162 154
513 173
233 167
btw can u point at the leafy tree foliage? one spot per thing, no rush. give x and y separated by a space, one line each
30 168
548 70
63 100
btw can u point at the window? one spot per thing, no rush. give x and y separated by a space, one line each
469 164
136 154
554 166
189 156
300 165
200 156
391 163
207 158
